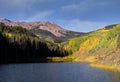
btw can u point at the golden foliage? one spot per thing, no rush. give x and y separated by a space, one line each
103 30
9 35
89 44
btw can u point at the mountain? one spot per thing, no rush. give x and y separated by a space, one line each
24 40
19 45
101 47
45 30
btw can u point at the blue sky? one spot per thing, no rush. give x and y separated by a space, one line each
76 15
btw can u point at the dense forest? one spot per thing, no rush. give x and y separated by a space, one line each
19 45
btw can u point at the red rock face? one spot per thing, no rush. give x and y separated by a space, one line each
48 26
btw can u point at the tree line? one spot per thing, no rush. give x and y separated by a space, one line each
18 44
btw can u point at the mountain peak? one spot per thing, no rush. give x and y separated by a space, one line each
47 26
44 29
4 20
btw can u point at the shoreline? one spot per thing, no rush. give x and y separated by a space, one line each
106 67
70 59
91 63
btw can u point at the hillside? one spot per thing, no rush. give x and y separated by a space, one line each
101 47
19 45
45 30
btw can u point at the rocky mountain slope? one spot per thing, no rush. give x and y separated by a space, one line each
102 47
46 30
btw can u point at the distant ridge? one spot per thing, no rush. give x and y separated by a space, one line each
55 32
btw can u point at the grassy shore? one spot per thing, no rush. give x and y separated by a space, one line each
97 65
107 67
90 60
61 59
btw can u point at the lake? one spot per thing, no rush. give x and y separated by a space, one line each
55 72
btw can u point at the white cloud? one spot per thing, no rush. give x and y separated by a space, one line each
74 7
82 26
70 7
41 16
84 5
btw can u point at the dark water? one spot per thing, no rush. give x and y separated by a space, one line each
55 72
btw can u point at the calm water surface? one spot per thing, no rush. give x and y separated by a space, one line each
55 72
